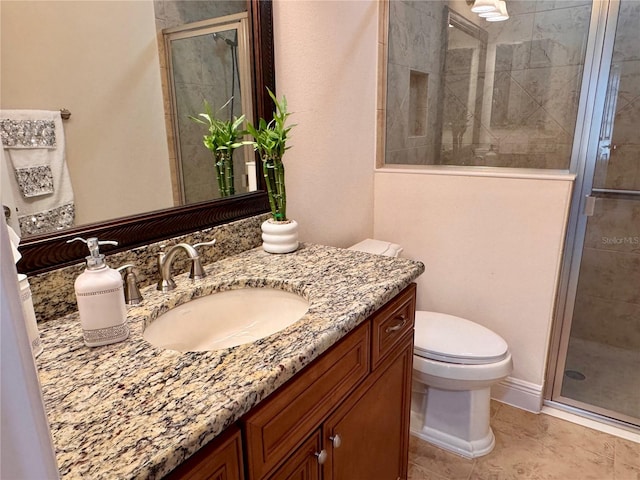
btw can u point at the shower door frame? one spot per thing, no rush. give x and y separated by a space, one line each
598 60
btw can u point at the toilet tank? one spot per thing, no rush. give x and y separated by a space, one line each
378 247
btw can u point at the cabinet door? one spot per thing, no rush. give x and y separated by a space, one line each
219 460
304 463
368 436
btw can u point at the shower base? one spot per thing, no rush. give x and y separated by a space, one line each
611 376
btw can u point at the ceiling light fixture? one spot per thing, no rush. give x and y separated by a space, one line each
483 6
489 14
502 15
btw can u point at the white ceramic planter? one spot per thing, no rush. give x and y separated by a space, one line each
280 237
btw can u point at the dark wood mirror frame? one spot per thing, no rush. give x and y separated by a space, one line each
43 253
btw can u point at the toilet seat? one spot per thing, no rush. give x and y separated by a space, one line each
451 339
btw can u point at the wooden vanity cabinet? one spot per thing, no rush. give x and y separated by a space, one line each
220 459
343 417
362 420
367 437
278 425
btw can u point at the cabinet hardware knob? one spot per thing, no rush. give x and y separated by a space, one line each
336 440
399 325
321 456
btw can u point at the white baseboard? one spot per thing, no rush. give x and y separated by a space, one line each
518 393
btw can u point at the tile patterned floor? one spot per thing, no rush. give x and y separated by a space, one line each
532 447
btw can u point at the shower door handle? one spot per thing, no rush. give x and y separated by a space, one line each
590 205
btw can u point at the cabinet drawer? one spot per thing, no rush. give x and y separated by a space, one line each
391 323
277 426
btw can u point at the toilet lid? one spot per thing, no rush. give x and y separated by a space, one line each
379 247
451 339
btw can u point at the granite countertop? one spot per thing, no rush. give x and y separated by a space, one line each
131 410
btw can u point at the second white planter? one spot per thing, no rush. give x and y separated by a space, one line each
280 237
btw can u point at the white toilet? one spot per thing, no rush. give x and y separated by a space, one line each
455 362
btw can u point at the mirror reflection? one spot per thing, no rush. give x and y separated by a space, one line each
463 84
222 78
104 62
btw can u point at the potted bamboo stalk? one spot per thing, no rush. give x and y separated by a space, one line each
279 233
222 138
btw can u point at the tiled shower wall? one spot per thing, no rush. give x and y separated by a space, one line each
416 44
608 297
531 82
622 171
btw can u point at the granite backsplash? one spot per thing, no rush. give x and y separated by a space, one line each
53 292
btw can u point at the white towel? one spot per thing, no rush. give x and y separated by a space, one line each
6 192
34 149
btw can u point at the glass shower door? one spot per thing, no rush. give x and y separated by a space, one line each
600 370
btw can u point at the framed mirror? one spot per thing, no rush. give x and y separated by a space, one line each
45 252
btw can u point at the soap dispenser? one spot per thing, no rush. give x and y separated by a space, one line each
100 297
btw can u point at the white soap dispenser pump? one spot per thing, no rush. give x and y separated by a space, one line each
100 297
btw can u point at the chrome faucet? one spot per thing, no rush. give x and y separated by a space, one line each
165 261
132 295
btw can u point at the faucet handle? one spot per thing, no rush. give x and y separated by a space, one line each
197 271
205 244
132 295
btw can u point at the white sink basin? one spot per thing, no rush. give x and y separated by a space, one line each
225 319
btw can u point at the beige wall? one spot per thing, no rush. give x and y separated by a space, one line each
325 55
492 249
99 60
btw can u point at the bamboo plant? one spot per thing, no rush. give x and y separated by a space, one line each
270 141
222 138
